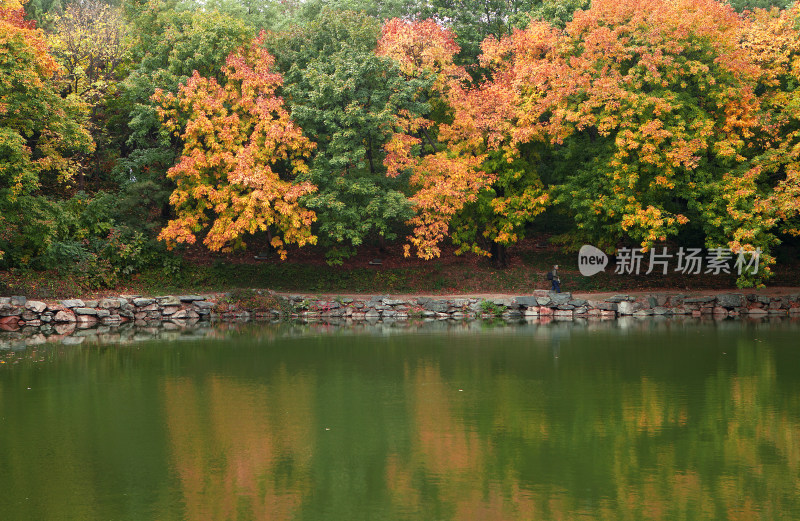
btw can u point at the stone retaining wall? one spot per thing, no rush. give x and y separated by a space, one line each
132 318
17 311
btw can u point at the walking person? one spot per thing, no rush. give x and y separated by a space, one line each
555 282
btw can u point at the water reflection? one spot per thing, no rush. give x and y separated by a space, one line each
597 420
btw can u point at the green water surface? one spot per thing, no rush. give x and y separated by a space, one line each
618 421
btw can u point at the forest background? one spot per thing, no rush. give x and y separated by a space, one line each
159 144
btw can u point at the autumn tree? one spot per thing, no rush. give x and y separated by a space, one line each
765 201
90 42
468 186
654 103
40 131
241 151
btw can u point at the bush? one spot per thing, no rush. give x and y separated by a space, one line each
80 237
250 300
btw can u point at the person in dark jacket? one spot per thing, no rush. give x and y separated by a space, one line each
555 282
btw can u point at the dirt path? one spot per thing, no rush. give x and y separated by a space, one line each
772 292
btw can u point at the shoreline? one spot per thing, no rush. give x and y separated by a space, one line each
19 311
127 318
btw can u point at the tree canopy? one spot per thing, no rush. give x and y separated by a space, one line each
635 123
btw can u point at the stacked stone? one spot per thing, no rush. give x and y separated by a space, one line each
17 311
544 304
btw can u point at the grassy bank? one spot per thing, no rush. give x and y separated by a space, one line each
372 272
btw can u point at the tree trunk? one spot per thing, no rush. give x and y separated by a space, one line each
499 255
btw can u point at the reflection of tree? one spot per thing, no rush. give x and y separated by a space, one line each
235 458
604 443
479 426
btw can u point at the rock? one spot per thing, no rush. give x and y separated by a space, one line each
731 300
560 298
109 303
191 298
528 302
85 311
185 314
64 316
677 300
102 313
437 306
700 300
18 301
169 310
577 302
544 301
661 310
72 303
756 312
169 300
628 308
142 302
391 302
617 299
534 311
86 320
36 306
605 306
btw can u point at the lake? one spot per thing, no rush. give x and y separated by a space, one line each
621 420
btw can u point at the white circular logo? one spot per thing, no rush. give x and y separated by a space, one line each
591 260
